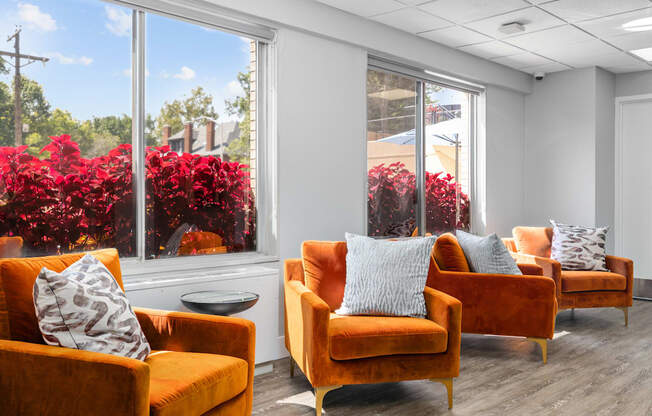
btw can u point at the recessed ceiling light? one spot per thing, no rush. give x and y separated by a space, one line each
643 53
639 25
511 28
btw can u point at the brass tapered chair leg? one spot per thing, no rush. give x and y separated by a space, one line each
291 367
320 392
625 310
544 347
448 383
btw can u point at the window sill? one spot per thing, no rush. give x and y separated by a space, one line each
139 275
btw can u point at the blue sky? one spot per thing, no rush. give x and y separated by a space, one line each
89 45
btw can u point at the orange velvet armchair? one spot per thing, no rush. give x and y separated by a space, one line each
334 350
575 289
199 365
497 304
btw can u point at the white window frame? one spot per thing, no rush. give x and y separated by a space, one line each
138 269
476 133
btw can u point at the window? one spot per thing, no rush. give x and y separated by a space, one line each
133 130
419 136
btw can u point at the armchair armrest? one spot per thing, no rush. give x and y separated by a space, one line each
40 379
443 309
307 317
530 269
551 268
622 266
446 311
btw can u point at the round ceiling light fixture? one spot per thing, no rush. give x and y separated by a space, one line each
639 25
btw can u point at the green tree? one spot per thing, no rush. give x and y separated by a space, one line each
151 139
6 115
35 109
59 122
176 113
239 149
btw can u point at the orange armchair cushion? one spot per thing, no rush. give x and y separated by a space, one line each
449 254
352 337
183 383
585 281
324 264
536 241
17 276
200 242
11 247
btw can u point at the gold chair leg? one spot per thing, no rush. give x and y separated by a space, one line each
448 383
544 347
625 310
291 367
320 392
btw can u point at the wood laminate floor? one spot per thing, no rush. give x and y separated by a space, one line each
596 366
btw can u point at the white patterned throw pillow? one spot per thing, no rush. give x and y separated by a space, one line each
386 277
579 248
84 308
487 255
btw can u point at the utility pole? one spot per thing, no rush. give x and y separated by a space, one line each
18 112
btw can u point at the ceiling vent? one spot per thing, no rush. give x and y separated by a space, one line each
512 28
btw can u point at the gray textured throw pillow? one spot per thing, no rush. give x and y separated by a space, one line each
84 308
386 277
487 254
579 248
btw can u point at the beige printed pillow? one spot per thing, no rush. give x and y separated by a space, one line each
579 248
84 308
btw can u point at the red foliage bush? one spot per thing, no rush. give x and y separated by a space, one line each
69 203
392 202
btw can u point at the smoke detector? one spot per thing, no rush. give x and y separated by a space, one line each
512 27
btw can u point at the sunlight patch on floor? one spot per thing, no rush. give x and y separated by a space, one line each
307 398
561 334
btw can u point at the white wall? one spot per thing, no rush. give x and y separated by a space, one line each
605 86
635 83
560 149
569 149
504 160
321 136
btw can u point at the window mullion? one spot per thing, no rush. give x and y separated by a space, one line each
420 158
138 155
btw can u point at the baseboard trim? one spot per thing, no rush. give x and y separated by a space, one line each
643 289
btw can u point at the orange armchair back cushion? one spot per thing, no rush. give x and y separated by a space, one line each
324 265
200 242
11 247
449 255
535 241
17 276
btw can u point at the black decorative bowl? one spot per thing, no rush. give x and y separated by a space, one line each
219 302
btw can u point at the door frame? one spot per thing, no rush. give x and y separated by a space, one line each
618 166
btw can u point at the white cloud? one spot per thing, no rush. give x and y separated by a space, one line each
69 60
35 18
233 89
185 74
246 44
85 60
119 22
